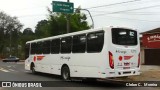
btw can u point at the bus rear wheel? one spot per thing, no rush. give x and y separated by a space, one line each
65 73
33 68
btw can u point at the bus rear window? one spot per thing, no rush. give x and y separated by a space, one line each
124 36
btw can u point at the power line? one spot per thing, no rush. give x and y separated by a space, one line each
113 4
128 10
141 13
132 13
104 13
133 19
124 12
136 9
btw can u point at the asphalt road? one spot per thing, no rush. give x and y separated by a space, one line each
15 72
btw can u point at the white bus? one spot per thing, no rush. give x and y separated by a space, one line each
95 53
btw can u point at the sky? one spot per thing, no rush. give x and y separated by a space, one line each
142 15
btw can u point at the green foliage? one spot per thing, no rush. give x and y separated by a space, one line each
42 29
78 22
25 36
12 41
56 24
9 33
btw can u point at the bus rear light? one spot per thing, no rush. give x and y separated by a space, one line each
111 60
120 58
138 60
34 59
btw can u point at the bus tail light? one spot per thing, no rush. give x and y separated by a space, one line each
111 60
138 59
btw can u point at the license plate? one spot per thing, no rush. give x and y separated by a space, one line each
126 67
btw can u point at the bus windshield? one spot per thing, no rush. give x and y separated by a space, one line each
122 36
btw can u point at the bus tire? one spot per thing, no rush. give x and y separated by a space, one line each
65 73
33 69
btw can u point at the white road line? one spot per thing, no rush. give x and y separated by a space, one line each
11 69
9 66
2 69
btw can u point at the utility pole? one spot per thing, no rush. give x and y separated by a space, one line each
10 46
89 14
68 22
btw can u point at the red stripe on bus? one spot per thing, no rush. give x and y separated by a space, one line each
127 57
40 57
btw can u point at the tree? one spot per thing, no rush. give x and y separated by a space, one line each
25 36
78 22
56 24
9 32
28 31
42 29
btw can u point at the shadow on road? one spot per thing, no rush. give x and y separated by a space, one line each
77 82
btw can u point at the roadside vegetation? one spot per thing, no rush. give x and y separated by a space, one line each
13 37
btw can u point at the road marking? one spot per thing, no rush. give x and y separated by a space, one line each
9 66
11 70
2 69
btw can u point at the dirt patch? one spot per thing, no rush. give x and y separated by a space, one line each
145 76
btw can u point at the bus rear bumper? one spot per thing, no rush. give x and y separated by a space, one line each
122 73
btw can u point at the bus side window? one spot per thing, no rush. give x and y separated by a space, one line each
79 44
95 42
39 48
27 50
66 44
33 48
46 47
55 46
